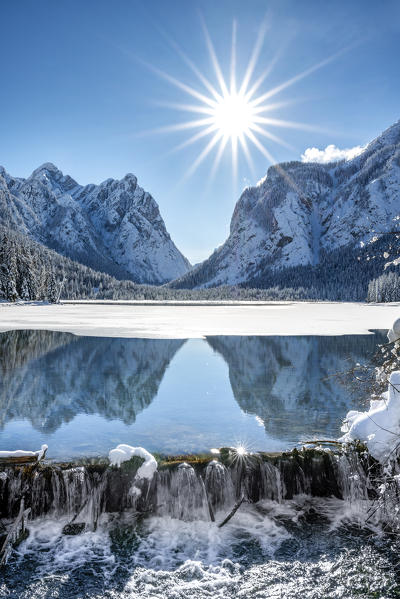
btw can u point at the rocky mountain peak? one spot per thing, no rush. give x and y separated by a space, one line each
115 227
301 212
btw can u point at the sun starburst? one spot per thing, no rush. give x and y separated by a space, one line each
232 115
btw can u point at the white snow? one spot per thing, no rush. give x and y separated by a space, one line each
314 209
182 320
379 427
19 453
394 332
117 224
123 453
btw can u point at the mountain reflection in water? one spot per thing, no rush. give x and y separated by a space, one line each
48 379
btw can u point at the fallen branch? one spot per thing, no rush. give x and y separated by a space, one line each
322 442
69 528
232 512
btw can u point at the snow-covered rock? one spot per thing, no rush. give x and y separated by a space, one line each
301 211
123 453
394 333
379 427
115 227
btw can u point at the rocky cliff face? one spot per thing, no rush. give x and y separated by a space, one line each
115 227
302 212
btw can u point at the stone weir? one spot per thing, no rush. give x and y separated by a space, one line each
186 487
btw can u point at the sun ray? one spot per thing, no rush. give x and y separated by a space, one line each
278 167
233 58
214 60
253 58
193 139
270 107
234 144
202 156
289 124
250 93
180 126
186 88
222 145
271 136
246 152
186 107
260 147
193 67
298 77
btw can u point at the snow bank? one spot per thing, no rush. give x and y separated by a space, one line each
123 453
379 427
394 333
19 453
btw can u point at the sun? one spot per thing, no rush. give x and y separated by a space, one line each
233 116
231 112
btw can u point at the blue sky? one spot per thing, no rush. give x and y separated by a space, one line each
75 90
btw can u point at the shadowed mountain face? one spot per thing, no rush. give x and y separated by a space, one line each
58 376
287 382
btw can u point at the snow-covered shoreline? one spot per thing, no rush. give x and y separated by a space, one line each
181 320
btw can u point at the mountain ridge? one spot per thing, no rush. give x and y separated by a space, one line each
301 212
115 227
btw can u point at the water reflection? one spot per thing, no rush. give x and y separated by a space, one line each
59 375
50 379
287 382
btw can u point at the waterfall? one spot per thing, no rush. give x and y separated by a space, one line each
181 494
184 491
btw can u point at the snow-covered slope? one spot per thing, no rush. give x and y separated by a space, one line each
115 227
301 212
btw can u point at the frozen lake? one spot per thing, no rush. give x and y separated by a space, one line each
84 395
187 320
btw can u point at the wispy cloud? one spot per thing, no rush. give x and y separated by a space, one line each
331 154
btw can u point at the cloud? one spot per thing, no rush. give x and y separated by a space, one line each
331 154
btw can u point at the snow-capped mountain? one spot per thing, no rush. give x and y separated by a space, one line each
302 212
115 227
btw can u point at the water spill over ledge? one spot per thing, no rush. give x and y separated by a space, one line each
304 529
296 534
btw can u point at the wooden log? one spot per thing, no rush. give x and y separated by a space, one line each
232 512
15 460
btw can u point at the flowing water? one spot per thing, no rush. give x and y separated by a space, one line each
161 539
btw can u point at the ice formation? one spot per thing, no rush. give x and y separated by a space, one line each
123 453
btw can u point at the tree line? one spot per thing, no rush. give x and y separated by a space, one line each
30 271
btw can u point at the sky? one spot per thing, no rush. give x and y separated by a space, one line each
92 86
